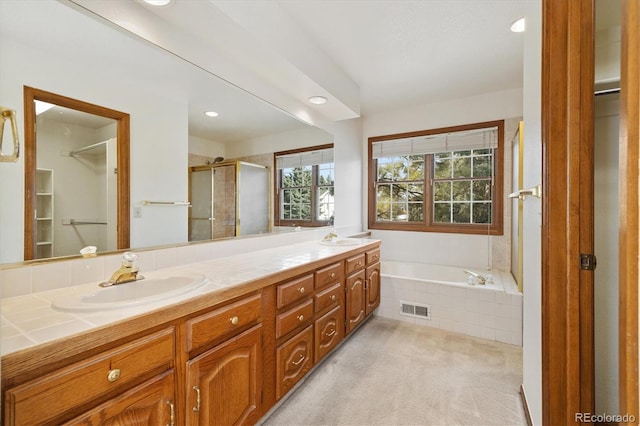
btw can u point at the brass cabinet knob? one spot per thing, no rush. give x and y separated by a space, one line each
234 320
301 290
113 375
332 297
300 317
332 275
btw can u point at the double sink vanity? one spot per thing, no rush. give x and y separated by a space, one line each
221 344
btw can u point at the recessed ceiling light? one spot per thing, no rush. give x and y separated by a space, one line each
518 26
211 114
318 100
158 2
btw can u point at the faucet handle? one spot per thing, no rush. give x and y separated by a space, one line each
129 258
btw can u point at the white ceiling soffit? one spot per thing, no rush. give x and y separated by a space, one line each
202 34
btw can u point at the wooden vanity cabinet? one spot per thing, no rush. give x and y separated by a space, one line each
224 384
112 378
372 281
224 364
294 358
151 403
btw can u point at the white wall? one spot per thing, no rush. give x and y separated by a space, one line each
606 199
158 131
206 147
449 249
346 136
532 254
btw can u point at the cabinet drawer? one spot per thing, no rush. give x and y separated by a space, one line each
329 331
297 317
223 322
373 256
293 360
293 291
45 399
329 275
355 263
328 297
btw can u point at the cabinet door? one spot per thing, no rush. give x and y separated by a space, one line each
329 331
355 300
224 383
151 403
373 288
294 359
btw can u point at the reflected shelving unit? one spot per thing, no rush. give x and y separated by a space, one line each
44 213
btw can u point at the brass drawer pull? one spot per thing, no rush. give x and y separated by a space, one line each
360 263
172 413
300 317
113 375
332 275
333 297
234 320
331 334
197 407
302 358
301 290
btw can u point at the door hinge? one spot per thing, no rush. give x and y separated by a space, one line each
588 262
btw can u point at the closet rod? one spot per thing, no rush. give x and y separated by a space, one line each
86 148
606 91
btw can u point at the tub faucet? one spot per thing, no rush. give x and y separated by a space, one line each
127 272
480 279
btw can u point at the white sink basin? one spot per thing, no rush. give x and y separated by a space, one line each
342 242
130 294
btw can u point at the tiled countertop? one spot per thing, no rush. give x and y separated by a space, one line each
28 321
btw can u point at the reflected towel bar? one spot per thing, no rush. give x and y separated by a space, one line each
9 114
84 222
165 203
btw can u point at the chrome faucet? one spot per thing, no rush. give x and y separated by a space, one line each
480 279
127 272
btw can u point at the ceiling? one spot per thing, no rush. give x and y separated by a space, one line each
403 53
367 56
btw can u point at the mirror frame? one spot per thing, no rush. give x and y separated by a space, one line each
30 162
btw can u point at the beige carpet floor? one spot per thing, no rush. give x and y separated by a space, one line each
394 373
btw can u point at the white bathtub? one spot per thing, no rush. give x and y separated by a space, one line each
442 297
441 274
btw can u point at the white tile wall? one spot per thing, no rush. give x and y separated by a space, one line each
33 278
487 314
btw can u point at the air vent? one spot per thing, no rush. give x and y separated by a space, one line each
415 310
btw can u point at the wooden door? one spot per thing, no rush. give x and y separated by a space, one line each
224 383
629 202
372 288
567 209
151 403
355 300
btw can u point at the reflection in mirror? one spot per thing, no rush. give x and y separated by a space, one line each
305 186
76 176
229 199
89 59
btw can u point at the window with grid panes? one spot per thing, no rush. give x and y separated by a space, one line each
305 187
442 180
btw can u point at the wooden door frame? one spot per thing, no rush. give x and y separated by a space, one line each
567 209
567 138
629 232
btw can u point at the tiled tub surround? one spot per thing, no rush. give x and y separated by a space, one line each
28 320
489 312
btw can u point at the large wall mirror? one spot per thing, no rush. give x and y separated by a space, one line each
64 50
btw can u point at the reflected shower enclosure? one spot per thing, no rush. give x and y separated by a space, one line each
229 199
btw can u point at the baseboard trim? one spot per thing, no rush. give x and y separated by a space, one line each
525 406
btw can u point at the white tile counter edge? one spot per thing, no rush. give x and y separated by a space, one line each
29 320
